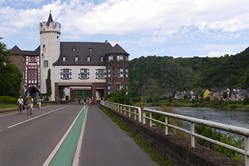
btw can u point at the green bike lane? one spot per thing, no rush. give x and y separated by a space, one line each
64 152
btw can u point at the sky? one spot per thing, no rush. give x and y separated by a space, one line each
177 28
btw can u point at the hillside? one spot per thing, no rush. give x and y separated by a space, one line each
154 75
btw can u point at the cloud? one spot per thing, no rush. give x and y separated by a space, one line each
136 23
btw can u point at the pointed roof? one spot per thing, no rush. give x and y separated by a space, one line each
118 49
50 19
18 52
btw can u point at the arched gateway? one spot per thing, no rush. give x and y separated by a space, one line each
33 92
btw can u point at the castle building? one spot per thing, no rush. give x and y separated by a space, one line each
75 69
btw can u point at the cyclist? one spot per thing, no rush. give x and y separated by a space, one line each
20 105
30 106
38 103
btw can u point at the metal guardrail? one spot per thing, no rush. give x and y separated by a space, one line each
147 114
128 110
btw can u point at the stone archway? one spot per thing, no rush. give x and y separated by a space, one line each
32 91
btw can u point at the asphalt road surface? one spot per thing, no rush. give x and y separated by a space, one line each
105 144
29 140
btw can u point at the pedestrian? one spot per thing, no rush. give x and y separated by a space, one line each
38 103
20 105
30 104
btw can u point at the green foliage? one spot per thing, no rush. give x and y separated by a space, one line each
246 100
48 84
10 76
222 137
122 97
158 76
8 99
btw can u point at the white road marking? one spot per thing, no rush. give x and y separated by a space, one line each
35 117
7 115
50 157
77 152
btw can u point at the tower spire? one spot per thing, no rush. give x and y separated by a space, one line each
50 18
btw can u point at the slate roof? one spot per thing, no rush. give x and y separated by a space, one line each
82 50
118 49
17 51
50 19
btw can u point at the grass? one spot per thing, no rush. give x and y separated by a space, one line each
154 155
6 106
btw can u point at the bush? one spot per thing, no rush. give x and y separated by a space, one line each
8 100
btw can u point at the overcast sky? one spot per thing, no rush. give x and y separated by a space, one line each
178 28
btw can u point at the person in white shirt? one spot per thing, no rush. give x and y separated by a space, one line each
20 105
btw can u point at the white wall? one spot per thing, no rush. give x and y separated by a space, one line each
76 71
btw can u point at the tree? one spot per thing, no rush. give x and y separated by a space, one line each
10 75
48 84
122 97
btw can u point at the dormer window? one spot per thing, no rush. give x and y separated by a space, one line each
76 59
64 59
101 59
88 59
90 49
73 49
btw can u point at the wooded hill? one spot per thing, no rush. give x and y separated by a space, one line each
160 76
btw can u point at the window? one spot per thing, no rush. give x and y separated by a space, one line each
109 73
64 59
73 49
108 89
66 74
120 58
100 73
126 73
101 59
90 49
76 59
32 76
126 58
119 87
110 58
119 73
88 59
32 59
45 63
84 74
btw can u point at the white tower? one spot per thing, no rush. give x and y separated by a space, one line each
49 51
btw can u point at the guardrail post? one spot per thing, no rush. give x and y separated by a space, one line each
246 151
144 114
192 130
166 126
139 115
129 112
150 119
124 110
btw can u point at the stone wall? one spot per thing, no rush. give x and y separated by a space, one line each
175 149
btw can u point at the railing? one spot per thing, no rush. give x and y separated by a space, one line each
147 115
128 110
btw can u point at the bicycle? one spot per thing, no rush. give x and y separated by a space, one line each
20 108
29 110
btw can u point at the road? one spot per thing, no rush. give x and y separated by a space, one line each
29 140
